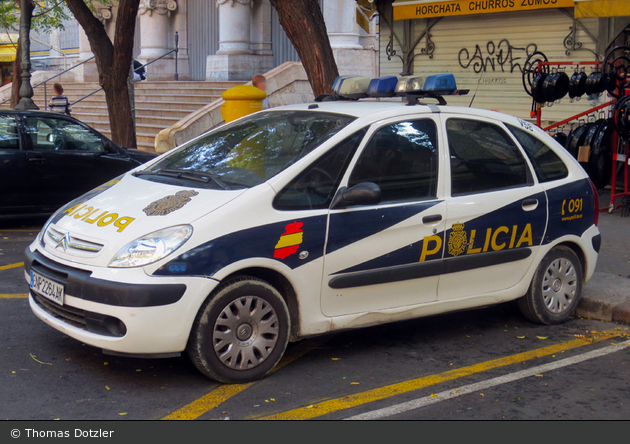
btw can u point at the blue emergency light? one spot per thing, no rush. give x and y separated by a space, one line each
440 82
383 87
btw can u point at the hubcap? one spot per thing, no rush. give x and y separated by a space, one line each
245 333
559 285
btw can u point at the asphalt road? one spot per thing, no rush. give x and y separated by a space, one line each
483 364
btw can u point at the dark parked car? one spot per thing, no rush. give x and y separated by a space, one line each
49 159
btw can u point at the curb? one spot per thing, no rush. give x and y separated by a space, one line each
606 297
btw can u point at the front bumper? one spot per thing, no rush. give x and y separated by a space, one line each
120 310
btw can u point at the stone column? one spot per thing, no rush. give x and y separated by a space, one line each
341 22
154 27
155 37
235 59
235 26
345 39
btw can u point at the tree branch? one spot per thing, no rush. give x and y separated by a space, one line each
46 11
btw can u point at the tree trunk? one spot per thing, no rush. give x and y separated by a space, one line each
303 22
17 78
113 61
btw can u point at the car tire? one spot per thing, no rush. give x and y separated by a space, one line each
240 332
555 289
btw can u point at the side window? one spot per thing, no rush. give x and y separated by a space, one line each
547 163
9 136
483 158
62 135
315 187
402 159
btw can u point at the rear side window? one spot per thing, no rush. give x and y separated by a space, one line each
315 187
483 158
9 138
547 163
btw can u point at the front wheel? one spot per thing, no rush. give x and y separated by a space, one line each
556 288
240 332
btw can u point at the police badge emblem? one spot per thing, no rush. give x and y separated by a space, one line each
457 240
168 204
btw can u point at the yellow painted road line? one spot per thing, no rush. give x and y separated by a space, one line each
13 296
8 267
218 396
346 402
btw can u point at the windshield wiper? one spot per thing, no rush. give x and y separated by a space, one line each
199 176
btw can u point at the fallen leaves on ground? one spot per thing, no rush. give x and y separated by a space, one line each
542 337
37 360
123 414
520 337
355 383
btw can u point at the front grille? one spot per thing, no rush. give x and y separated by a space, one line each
71 242
69 315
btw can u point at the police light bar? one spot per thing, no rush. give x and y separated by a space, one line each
409 84
351 87
383 87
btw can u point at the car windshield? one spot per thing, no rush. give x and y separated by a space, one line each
249 152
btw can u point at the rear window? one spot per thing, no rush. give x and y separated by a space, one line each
547 163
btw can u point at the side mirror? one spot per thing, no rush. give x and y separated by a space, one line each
364 193
109 147
50 137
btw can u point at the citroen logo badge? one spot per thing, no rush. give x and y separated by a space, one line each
63 242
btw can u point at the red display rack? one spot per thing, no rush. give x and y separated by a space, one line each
621 147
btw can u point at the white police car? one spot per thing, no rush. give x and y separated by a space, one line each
306 219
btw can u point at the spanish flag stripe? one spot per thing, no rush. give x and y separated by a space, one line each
289 239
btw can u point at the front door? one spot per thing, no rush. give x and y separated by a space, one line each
497 214
388 255
66 160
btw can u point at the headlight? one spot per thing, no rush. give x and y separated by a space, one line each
152 247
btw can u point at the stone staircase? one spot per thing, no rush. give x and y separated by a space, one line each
158 104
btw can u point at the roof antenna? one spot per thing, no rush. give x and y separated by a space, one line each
477 89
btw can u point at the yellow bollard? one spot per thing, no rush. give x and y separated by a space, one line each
240 101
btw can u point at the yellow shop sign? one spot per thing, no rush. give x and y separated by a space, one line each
404 10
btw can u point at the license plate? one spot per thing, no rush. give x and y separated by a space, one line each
47 288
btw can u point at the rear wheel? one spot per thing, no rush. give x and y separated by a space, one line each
556 288
240 332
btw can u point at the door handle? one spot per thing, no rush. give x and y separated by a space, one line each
432 219
37 159
530 204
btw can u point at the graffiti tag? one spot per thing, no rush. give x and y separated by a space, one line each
502 56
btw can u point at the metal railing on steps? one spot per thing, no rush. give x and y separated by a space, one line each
138 69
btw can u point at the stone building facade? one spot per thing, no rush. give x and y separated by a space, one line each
222 40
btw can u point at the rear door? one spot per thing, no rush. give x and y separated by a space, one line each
497 212
13 185
66 159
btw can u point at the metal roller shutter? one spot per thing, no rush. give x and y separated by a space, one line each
486 53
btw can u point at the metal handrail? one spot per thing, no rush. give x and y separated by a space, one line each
176 50
176 76
45 82
53 77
